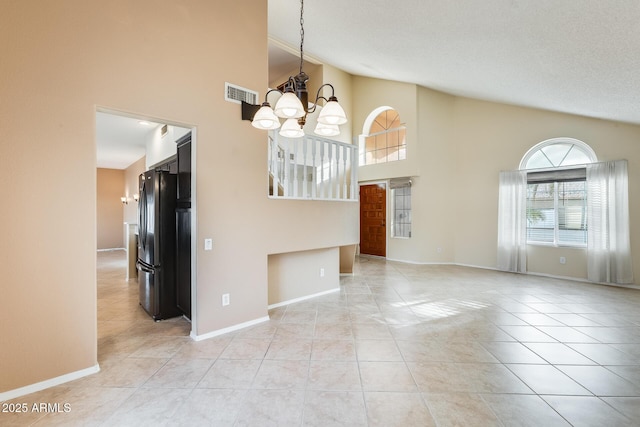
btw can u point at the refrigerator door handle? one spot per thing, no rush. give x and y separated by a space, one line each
143 268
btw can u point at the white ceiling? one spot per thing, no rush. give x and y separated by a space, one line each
573 56
120 141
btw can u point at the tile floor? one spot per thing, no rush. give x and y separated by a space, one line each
399 345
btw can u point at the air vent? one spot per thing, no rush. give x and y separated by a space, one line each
238 94
163 131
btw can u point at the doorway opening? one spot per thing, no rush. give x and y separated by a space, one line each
128 145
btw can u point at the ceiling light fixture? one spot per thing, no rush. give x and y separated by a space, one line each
293 105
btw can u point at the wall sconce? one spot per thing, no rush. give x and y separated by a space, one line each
124 200
136 197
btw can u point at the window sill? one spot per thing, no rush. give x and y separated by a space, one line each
556 245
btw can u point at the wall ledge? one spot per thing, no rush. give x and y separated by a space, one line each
32 388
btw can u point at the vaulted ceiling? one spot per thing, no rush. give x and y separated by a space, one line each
572 56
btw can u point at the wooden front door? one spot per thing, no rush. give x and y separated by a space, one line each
373 219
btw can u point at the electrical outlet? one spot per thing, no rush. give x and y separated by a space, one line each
563 260
225 299
322 272
208 244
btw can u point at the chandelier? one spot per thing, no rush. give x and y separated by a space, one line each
293 105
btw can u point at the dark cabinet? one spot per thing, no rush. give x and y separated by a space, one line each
183 225
184 169
183 264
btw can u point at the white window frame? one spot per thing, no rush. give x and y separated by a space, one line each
588 151
400 184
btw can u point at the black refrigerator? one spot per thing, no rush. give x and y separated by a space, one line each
157 244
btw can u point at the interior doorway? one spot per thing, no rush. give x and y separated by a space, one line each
373 219
134 144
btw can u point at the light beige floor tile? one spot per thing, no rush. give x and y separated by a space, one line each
587 411
289 349
180 373
572 319
377 351
630 373
282 374
149 407
386 376
160 346
460 409
204 407
85 406
387 409
604 354
334 408
238 374
527 334
512 352
559 354
339 350
333 331
523 410
547 379
332 375
369 331
567 334
271 408
628 406
294 330
452 337
601 381
246 348
205 349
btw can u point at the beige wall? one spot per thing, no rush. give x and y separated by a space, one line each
131 187
457 148
109 208
298 274
163 60
491 137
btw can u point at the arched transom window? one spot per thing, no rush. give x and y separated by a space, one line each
558 153
384 138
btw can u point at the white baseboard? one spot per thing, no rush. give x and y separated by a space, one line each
111 249
291 301
32 388
223 331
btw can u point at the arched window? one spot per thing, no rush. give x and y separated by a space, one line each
384 138
557 191
558 153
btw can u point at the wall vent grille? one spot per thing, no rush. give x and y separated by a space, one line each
237 94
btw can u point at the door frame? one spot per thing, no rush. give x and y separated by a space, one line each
386 214
194 202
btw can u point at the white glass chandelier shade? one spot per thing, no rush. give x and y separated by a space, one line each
289 106
332 114
291 129
326 130
265 118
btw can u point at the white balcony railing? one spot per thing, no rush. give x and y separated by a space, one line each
312 168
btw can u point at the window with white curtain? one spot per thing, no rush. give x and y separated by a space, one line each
561 195
556 207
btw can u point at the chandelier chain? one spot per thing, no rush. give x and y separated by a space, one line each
301 34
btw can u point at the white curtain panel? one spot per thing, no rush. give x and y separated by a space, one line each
512 217
608 244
